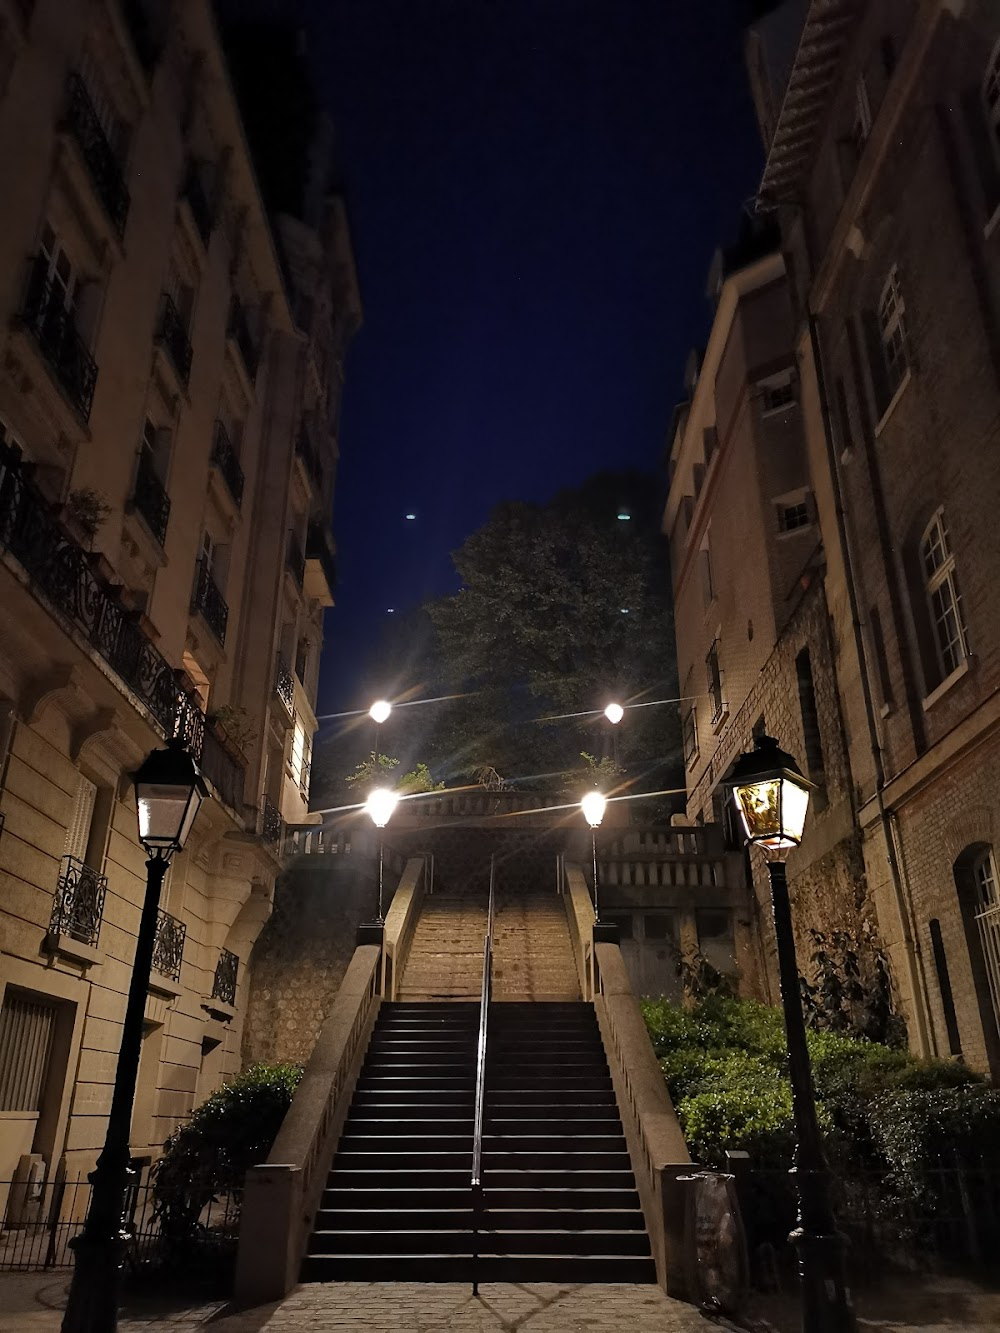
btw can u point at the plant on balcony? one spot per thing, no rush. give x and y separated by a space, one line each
229 1133
235 723
87 511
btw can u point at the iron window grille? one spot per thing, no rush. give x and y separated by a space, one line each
172 335
168 947
225 459
943 598
51 324
285 686
224 982
79 902
150 498
102 163
209 601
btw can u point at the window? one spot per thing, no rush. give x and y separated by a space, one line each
987 914
943 598
892 330
810 726
791 517
705 569
991 96
27 1033
881 659
689 730
60 275
714 672
862 126
777 394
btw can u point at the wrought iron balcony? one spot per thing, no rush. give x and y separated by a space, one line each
172 334
296 560
285 686
197 200
102 164
239 331
225 773
79 902
168 947
150 498
209 601
45 316
224 458
224 984
270 823
61 571
306 451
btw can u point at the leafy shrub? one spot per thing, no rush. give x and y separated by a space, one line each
229 1133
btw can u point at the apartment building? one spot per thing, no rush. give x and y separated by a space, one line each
170 375
882 129
755 653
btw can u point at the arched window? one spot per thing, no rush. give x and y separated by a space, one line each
991 96
984 876
943 599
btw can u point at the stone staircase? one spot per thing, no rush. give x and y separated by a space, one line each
560 1197
532 951
445 961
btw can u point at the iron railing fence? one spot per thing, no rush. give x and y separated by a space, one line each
150 498
52 324
102 162
40 1220
207 599
225 459
936 1221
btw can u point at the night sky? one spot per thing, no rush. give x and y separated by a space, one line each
536 188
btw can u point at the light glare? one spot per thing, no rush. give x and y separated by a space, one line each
593 806
614 713
380 805
379 711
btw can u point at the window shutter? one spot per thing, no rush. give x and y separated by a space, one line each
876 362
27 1027
983 150
81 818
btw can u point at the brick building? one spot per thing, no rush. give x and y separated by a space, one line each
881 124
170 376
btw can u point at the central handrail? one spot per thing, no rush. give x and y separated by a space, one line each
477 1133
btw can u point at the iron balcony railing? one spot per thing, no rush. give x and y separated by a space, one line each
102 164
79 902
61 570
306 450
225 773
197 200
172 335
224 458
224 983
150 498
285 686
168 947
485 994
209 601
270 823
239 331
296 560
45 316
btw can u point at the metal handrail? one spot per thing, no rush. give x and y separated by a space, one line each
477 1133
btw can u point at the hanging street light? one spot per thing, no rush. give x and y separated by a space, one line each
169 792
772 798
380 805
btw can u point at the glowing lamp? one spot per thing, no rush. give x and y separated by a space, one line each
169 790
380 805
593 806
379 711
771 795
614 713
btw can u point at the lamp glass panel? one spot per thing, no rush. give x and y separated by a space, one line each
380 805
758 804
166 813
794 804
593 805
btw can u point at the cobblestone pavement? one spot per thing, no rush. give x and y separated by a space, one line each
33 1305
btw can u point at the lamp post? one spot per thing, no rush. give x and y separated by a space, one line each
614 713
772 797
593 806
169 791
380 805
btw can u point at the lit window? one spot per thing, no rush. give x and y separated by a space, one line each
991 95
943 598
892 330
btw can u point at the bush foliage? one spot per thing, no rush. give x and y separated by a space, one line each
880 1108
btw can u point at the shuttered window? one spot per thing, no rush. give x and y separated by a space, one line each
81 819
27 1026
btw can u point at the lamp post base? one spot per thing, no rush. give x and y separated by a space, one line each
826 1298
95 1291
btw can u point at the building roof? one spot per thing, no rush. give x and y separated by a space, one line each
825 34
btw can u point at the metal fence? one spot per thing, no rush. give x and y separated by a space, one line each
40 1223
944 1221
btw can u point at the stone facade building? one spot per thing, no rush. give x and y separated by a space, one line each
881 124
170 376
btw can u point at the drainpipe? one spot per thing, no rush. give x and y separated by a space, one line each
914 959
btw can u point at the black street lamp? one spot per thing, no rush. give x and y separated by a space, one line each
380 805
169 790
772 797
593 806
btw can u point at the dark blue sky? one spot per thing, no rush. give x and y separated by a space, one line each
536 188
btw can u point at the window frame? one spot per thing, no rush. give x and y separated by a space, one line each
942 576
890 317
990 87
